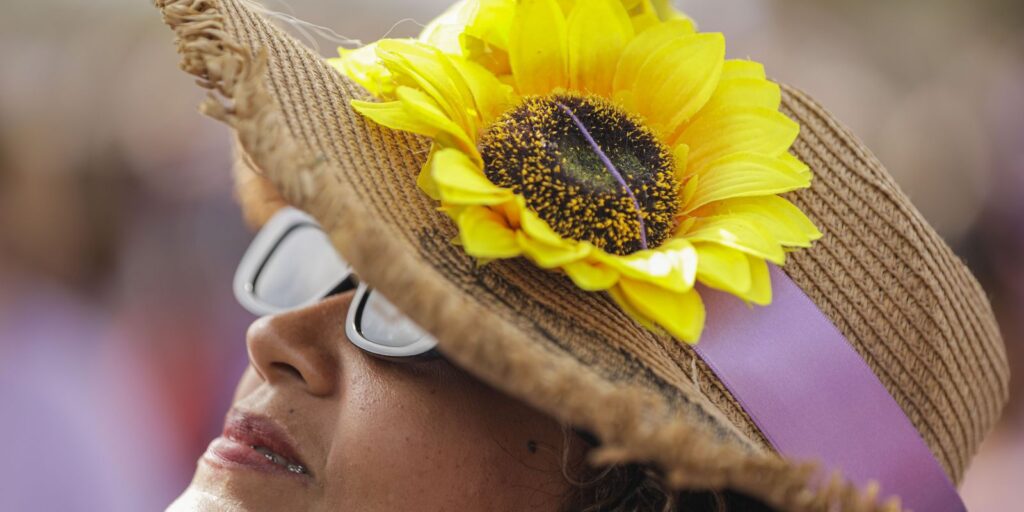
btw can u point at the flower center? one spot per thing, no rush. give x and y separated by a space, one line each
591 171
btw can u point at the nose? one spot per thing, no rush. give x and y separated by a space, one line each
301 347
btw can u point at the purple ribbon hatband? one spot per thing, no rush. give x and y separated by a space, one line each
814 398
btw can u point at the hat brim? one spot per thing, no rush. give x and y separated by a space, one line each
647 397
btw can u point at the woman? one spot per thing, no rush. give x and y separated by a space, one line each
576 208
322 424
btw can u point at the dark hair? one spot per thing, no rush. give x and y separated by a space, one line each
635 487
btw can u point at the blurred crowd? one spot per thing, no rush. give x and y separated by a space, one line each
120 341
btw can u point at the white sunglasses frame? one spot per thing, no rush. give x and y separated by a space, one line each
263 245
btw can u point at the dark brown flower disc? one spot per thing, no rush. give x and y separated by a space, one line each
591 171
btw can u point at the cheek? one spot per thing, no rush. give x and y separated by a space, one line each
400 446
413 443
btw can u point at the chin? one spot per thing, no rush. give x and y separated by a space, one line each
194 500
220 489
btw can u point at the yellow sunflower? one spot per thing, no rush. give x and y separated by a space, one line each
605 139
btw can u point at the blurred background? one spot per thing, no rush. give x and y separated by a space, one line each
120 341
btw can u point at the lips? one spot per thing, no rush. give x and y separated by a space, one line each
256 442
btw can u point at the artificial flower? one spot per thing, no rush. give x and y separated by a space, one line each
604 139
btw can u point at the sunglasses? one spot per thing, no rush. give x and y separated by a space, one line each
291 264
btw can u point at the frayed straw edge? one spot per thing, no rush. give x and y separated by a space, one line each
642 428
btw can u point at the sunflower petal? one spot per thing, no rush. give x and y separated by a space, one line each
418 65
492 22
760 292
537 228
448 132
460 181
643 19
591 276
730 130
537 47
415 112
486 36
748 92
796 163
364 67
746 175
512 211
738 233
689 190
443 31
393 114
672 266
739 68
681 314
484 234
722 268
550 256
598 30
424 180
778 218
681 155
492 97
645 44
678 79
627 307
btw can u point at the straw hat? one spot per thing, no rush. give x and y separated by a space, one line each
880 279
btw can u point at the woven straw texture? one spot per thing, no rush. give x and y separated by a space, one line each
881 274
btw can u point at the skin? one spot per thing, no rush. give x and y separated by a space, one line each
379 435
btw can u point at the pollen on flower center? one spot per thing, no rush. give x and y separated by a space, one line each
590 170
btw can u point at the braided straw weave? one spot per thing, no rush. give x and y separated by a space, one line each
881 274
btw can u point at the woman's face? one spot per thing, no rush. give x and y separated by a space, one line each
348 431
